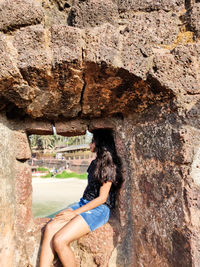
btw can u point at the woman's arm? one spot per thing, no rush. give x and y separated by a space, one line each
103 195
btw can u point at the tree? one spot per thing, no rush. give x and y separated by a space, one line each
46 142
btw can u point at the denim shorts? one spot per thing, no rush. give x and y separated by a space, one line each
95 217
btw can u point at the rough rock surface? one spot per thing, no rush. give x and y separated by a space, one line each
132 66
194 18
7 210
50 62
143 5
20 14
93 13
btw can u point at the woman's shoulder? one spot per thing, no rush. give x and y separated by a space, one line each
92 165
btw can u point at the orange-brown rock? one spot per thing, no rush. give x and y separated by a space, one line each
131 66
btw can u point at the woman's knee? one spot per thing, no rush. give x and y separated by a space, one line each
50 228
59 241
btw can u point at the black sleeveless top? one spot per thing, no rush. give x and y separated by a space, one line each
93 187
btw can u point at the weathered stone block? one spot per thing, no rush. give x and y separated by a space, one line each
22 148
194 19
71 128
19 13
37 127
99 84
93 13
102 45
65 128
100 243
7 244
192 115
149 5
140 39
195 168
56 12
149 138
23 186
99 123
157 194
23 223
178 70
34 54
12 85
118 92
190 150
66 44
32 47
8 69
23 219
7 194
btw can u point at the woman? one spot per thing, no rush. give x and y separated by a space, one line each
92 211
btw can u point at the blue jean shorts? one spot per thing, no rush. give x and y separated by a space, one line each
95 217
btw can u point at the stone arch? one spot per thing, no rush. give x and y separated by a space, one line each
144 119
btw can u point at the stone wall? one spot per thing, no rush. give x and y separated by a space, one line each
7 195
132 66
161 235
156 220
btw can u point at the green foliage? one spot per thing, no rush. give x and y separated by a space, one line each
50 142
48 175
42 169
76 140
83 176
45 141
65 174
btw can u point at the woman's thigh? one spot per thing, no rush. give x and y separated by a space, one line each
73 230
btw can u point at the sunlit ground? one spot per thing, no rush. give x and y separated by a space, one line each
51 195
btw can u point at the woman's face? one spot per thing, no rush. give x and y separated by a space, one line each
92 146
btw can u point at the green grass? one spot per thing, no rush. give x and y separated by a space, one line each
42 169
65 174
48 175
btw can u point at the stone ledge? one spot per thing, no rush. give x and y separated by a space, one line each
94 249
65 128
22 148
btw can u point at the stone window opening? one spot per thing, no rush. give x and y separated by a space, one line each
34 226
50 160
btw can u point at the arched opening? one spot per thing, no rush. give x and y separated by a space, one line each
59 171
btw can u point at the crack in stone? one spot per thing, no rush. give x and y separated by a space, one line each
11 29
83 89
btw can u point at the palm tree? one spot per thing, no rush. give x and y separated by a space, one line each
45 142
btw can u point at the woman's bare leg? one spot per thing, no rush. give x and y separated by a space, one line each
47 250
73 230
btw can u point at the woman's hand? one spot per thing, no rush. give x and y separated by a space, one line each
65 215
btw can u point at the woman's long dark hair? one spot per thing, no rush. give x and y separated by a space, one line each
108 164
